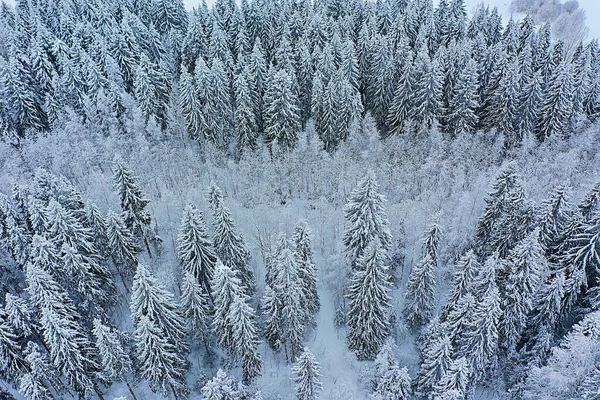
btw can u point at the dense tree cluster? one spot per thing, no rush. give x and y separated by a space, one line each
240 74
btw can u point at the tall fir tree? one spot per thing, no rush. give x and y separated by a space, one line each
307 376
369 301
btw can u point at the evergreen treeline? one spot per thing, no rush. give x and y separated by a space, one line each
237 75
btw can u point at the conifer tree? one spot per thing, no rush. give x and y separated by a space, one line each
462 281
245 117
114 359
307 376
455 381
526 265
195 250
369 299
463 102
401 105
436 358
229 245
505 219
419 297
19 314
150 298
195 304
41 378
481 341
227 287
428 90
133 204
220 387
160 361
394 385
244 335
366 220
307 274
122 245
558 104
281 113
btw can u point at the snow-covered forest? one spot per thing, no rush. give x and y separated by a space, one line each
296 199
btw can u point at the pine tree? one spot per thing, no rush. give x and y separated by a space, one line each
285 306
366 220
428 90
436 358
229 245
526 265
19 314
11 355
245 117
401 105
227 288
419 298
220 387
195 249
150 298
455 382
480 343
116 364
462 281
160 360
506 217
133 204
307 376
195 304
394 385
463 102
307 274
369 299
242 317
558 104
281 113
122 245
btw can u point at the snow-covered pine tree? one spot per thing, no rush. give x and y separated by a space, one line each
11 356
195 249
401 105
41 378
281 114
366 220
133 204
419 297
19 314
436 358
229 245
557 223
245 117
526 265
558 104
454 385
150 298
245 338
226 287
395 384
463 101
427 90
160 359
591 203
462 280
307 274
285 305
70 349
506 218
116 364
122 246
307 376
220 387
369 300
480 343
195 305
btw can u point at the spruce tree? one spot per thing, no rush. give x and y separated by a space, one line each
307 376
436 359
281 113
227 287
244 335
394 385
419 298
195 249
150 298
195 305
307 274
463 101
455 381
526 265
366 220
462 281
122 245
229 245
558 104
114 358
369 300
133 204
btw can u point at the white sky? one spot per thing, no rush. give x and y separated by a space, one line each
592 8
